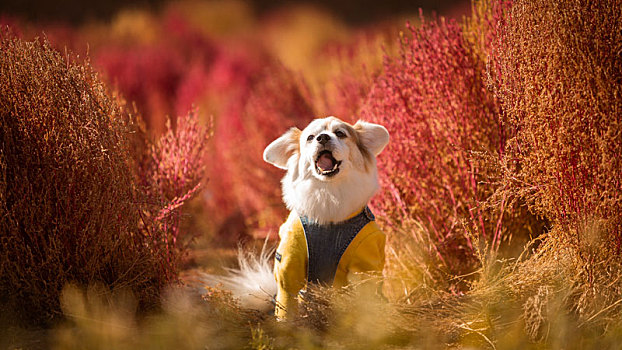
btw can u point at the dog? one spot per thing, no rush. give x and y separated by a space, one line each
330 237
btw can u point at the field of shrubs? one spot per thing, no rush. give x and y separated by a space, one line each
131 158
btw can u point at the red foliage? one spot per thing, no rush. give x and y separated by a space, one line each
164 78
243 181
147 76
172 173
433 100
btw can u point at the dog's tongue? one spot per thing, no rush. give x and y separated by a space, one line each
325 162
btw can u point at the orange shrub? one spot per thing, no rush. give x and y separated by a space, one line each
556 68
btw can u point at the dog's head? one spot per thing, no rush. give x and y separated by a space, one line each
331 166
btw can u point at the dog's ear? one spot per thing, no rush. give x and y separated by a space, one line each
373 137
280 150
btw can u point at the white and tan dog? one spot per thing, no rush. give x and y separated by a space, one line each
330 235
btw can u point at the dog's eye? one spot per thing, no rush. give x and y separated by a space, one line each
340 134
310 138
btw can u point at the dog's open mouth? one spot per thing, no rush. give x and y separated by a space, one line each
326 164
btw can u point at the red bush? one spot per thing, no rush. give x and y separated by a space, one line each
71 208
172 173
147 76
242 180
444 127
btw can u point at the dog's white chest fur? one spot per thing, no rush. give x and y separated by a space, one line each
328 201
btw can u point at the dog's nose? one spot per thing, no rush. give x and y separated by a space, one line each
323 138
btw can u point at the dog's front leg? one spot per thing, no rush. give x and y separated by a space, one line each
290 269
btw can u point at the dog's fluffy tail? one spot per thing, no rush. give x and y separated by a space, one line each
252 283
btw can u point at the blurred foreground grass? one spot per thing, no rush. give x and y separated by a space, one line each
492 315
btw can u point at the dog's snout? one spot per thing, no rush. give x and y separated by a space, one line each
323 139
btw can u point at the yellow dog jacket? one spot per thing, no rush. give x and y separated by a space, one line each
330 254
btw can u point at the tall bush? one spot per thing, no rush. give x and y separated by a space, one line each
437 182
71 209
561 94
557 71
